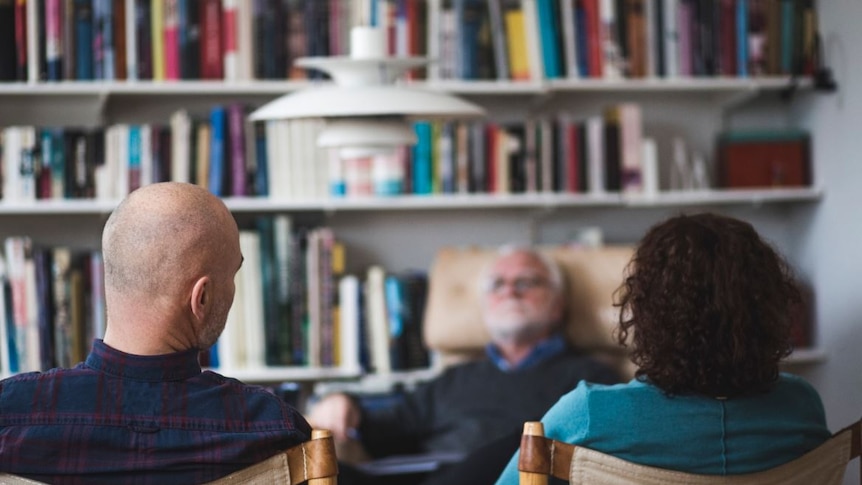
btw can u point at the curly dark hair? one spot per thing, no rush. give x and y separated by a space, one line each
708 305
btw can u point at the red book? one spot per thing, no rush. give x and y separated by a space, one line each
212 63
21 39
594 45
727 38
172 42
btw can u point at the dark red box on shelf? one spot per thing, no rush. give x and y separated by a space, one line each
764 159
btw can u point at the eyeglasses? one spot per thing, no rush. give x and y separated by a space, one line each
521 284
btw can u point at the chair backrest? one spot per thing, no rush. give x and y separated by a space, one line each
313 462
453 321
541 457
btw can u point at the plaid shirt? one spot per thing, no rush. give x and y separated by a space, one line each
126 419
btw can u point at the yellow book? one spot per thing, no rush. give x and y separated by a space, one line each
202 174
157 29
519 65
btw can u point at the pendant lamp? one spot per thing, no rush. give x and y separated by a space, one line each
365 110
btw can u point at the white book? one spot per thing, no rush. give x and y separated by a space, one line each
229 45
570 37
670 36
146 155
596 155
651 60
231 342
32 350
433 41
252 316
245 40
611 55
12 145
534 42
181 129
377 328
33 46
631 139
104 174
275 165
348 325
122 163
131 42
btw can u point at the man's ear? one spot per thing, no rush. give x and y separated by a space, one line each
201 298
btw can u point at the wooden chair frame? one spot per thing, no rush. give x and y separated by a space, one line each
312 462
541 457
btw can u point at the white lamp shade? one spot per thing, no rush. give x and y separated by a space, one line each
366 132
359 101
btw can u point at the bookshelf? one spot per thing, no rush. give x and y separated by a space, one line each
374 227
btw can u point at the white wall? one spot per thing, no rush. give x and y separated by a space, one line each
829 248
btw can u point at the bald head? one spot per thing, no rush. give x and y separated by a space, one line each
164 235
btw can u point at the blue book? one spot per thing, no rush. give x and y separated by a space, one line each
422 158
582 41
261 174
742 38
83 40
549 36
12 348
394 298
217 172
134 157
107 28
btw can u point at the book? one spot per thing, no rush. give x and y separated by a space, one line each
217 151
171 33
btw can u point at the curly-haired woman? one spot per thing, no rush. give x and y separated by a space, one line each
706 308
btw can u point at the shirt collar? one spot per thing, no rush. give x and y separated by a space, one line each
543 351
152 368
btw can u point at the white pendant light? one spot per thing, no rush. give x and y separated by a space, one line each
363 108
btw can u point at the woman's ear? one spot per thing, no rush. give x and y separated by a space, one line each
201 298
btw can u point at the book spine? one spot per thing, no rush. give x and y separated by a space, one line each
172 41
217 172
229 40
143 40
237 150
109 65
212 64
53 40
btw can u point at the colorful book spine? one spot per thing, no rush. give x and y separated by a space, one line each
217 169
171 40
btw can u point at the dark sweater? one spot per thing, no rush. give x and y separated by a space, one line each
472 404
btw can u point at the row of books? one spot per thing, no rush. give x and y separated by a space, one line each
57 40
280 159
552 39
294 306
52 305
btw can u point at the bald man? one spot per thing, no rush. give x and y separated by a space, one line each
139 409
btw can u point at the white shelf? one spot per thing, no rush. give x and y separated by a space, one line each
447 202
805 356
678 84
479 87
149 88
281 374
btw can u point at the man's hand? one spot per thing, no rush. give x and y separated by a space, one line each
337 413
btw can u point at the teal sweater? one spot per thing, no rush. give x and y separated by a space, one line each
696 434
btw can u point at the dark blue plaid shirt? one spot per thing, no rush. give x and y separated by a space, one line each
126 419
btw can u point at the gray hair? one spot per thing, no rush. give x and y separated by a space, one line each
555 274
